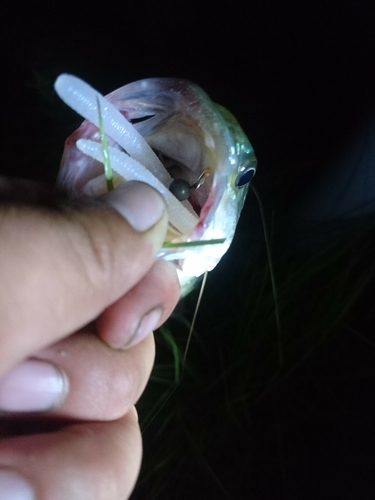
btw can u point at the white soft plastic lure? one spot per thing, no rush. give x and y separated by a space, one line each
160 130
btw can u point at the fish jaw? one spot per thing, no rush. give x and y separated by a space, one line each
76 168
186 129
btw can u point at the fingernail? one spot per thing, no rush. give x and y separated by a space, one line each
146 325
141 205
14 487
32 386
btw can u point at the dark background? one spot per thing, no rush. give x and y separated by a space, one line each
300 79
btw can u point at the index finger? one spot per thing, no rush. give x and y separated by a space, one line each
61 268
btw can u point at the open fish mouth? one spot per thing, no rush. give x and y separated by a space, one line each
162 117
164 111
165 132
182 163
91 180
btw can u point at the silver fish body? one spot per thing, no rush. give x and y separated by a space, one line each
190 135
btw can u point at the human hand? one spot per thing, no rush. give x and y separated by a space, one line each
75 283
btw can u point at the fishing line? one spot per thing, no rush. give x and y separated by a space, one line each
165 398
272 276
203 285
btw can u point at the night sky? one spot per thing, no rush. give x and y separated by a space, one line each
301 81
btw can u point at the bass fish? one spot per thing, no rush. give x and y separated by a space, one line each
168 133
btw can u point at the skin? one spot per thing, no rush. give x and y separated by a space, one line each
76 280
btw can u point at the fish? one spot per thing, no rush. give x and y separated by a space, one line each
168 133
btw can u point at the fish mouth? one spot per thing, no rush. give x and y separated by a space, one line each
182 153
185 156
174 117
180 171
181 127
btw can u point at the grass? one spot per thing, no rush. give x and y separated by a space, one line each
242 409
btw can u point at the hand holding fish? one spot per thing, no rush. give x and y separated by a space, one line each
66 394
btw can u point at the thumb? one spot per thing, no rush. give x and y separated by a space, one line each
61 268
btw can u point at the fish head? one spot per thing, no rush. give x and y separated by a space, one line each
194 139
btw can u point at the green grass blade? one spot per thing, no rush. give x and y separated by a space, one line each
168 337
106 160
170 244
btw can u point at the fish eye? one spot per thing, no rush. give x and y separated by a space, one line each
244 176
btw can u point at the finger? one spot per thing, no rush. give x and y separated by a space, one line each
98 460
80 377
143 309
83 377
61 269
